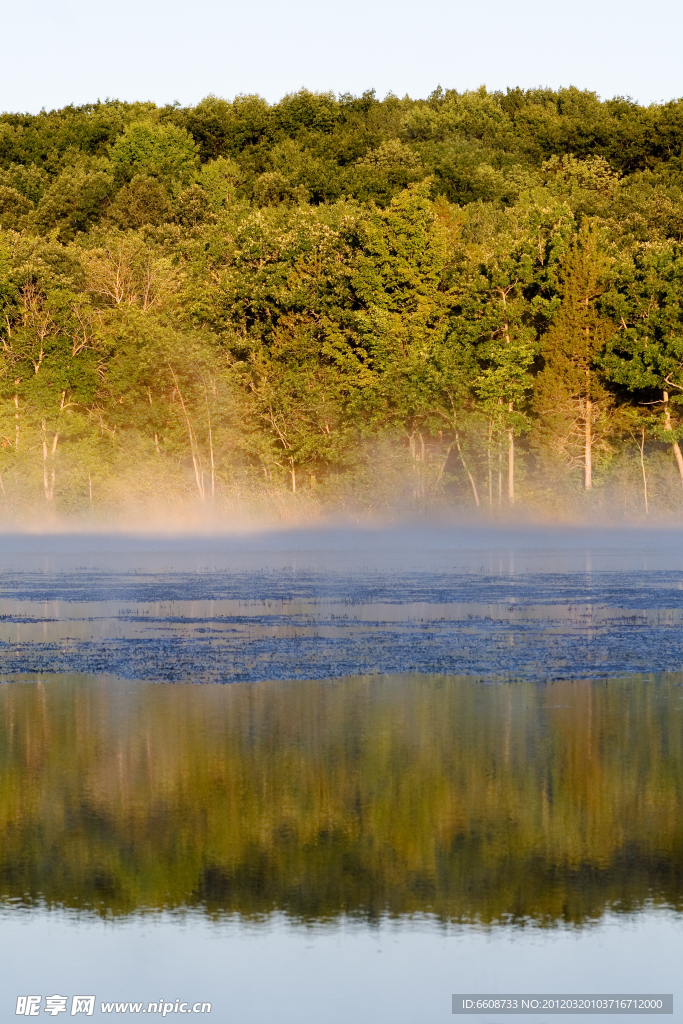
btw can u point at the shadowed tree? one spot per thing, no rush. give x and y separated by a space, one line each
646 356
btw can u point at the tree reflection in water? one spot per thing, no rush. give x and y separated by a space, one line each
369 796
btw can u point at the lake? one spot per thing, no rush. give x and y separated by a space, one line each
340 774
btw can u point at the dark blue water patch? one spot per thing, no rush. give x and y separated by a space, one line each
635 589
288 624
286 649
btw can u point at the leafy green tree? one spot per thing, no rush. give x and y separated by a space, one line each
298 395
14 208
49 361
403 315
646 355
144 200
211 125
161 151
75 199
507 284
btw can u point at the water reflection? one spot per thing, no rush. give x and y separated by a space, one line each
369 796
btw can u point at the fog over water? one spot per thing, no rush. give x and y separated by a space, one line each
448 759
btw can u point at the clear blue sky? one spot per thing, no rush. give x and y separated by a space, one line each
76 51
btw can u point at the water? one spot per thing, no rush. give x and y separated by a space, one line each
447 760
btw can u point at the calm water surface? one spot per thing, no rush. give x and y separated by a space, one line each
447 760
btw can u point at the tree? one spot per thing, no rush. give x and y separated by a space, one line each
49 359
403 319
161 151
299 396
571 397
646 355
503 279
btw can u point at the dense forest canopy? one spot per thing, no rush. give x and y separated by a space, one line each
471 301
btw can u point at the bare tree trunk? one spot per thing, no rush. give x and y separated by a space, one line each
49 473
208 417
511 433
465 467
641 448
293 472
489 474
667 426
500 453
198 472
442 467
419 458
500 477
588 447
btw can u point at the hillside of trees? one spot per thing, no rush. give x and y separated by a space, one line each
470 302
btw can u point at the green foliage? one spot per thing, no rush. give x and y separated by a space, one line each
160 151
570 393
241 297
646 354
74 200
144 200
14 208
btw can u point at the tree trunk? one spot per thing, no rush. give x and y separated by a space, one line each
465 467
667 426
488 466
444 460
588 447
511 465
194 447
641 448
500 476
49 471
208 417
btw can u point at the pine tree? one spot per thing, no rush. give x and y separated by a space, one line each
571 397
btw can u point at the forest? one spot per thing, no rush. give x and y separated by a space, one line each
468 303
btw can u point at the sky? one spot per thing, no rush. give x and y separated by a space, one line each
78 52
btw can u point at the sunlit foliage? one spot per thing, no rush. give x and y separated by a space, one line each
467 301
